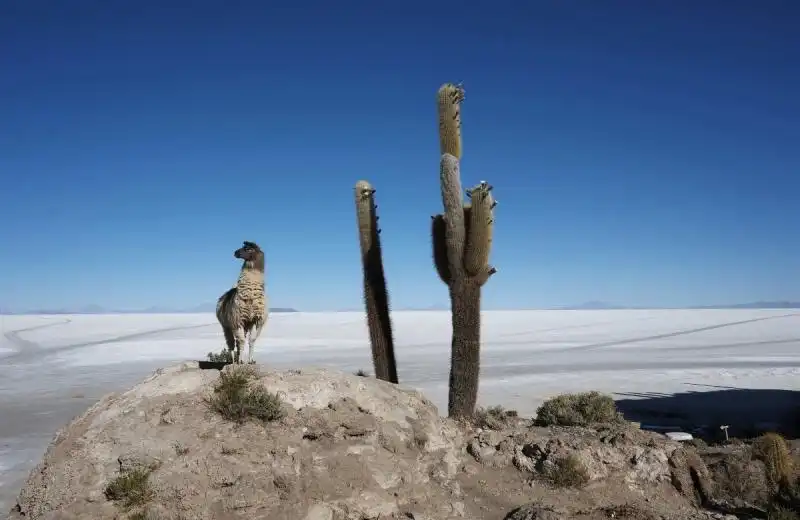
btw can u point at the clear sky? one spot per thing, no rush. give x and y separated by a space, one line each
643 153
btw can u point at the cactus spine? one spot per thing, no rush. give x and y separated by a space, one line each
376 297
462 239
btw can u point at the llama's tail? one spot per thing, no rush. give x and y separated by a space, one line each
229 341
224 303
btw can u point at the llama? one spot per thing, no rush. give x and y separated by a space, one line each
243 310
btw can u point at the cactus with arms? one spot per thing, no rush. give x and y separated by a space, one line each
462 239
376 297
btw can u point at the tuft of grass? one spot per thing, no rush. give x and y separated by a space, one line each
568 471
771 449
131 488
362 373
493 417
224 356
581 409
237 400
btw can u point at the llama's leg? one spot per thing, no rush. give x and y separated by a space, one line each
240 339
255 332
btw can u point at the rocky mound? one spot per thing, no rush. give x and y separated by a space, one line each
324 445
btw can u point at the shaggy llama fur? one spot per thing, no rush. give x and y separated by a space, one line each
243 310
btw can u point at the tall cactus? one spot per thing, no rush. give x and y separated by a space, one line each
376 297
462 240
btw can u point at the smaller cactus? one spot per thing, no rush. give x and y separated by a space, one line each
376 297
771 449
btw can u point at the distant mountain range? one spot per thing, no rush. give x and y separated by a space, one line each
97 309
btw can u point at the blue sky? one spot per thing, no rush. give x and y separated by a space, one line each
643 153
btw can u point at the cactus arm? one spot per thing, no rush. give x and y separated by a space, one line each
483 276
364 194
440 248
479 235
455 232
449 98
376 297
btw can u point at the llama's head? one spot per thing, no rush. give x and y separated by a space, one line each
252 255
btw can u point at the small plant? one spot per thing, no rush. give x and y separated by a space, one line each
568 471
771 449
230 450
224 356
180 449
581 409
362 373
131 488
236 400
493 417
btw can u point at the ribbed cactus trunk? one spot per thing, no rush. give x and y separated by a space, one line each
462 239
465 354
376 297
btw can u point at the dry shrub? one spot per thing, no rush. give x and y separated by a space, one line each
237 400
736 476
568 471
493 417
581 409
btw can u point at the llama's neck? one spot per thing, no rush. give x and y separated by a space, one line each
250 279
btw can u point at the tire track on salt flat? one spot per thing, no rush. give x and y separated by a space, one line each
13 336
39 352
666 335
521 370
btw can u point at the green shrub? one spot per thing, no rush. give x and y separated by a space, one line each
131 488
224 356
582 409
237 400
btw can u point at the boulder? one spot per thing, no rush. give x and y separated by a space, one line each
348 447
337 446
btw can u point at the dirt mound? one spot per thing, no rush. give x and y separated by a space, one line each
323 445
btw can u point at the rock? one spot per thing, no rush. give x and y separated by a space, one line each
678 436
350 447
